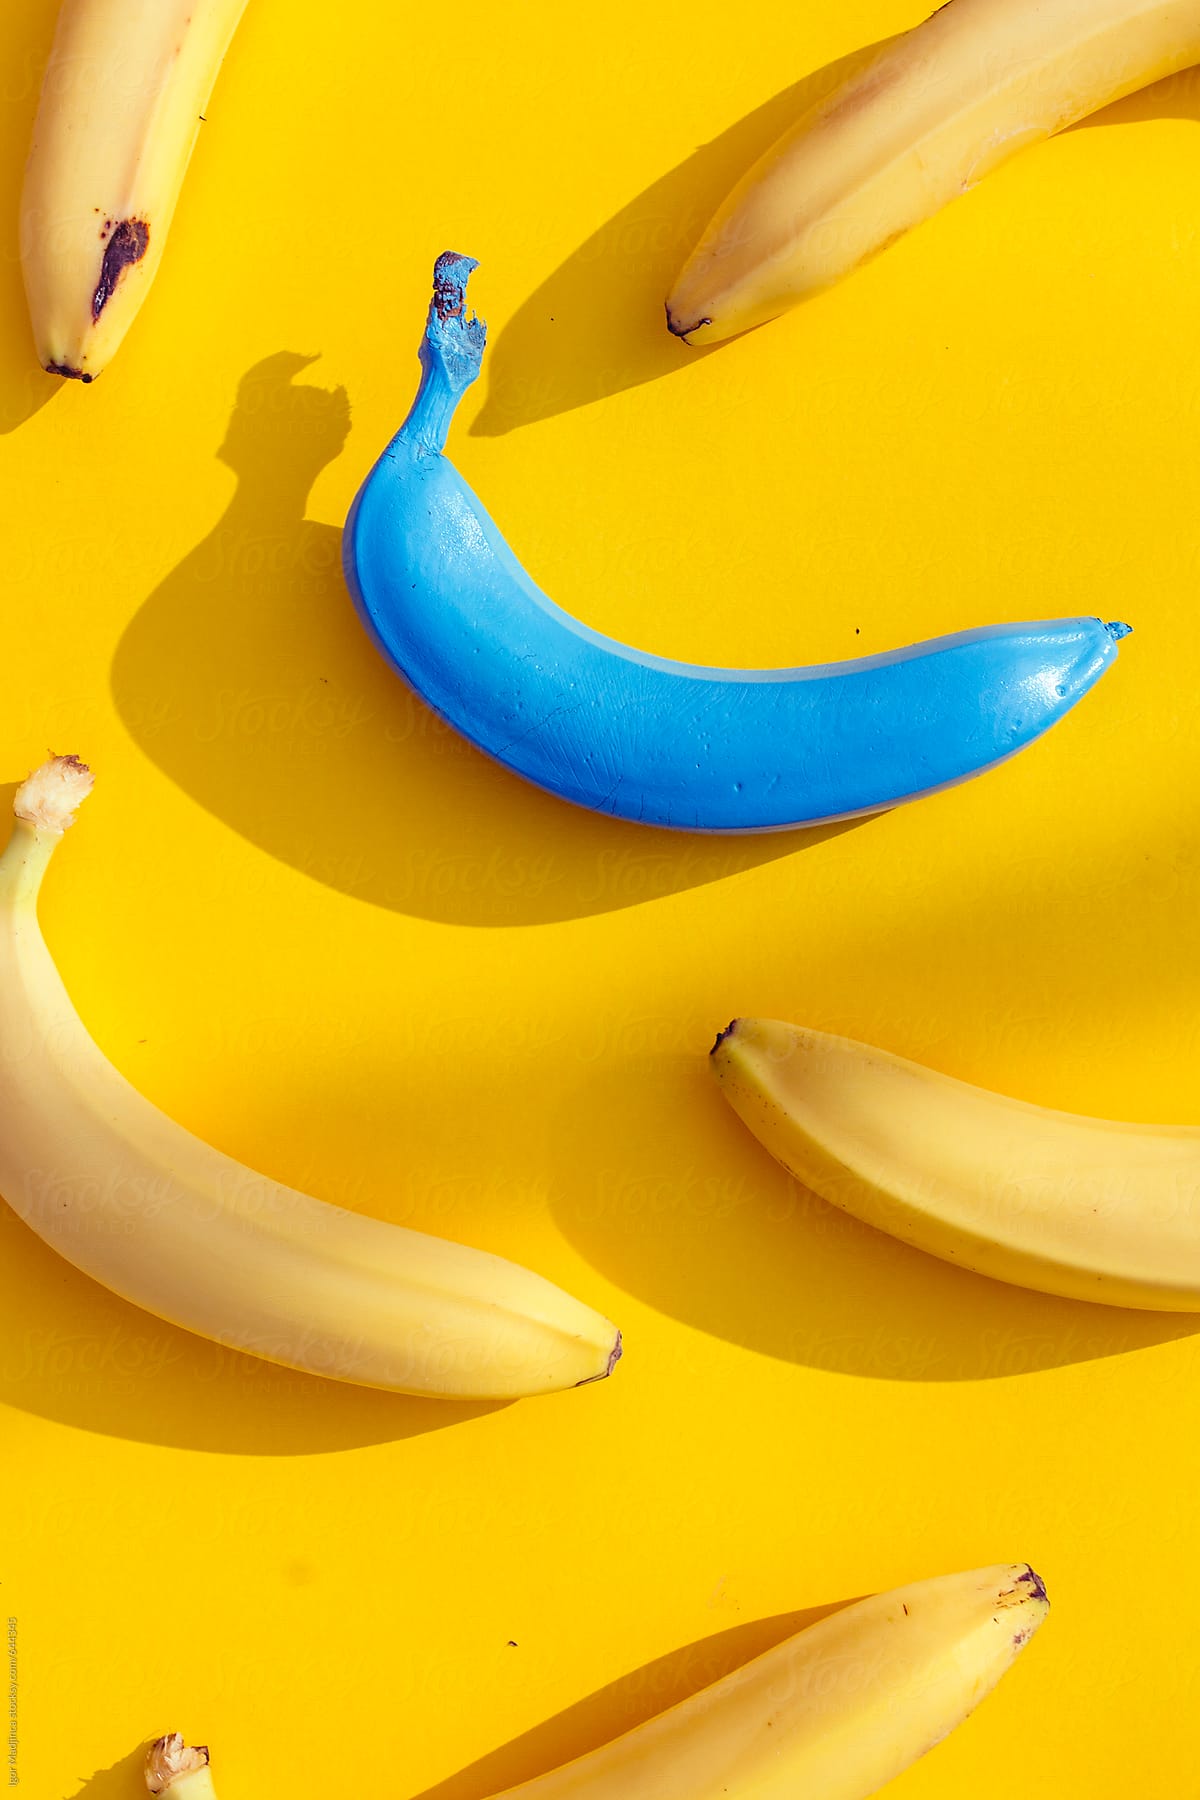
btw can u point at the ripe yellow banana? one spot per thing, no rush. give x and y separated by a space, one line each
179 1769
830 1714
1088 1208
922 122
121 106
171 1224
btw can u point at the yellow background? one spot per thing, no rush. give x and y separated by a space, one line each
320 931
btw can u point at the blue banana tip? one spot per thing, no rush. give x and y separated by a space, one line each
1116 630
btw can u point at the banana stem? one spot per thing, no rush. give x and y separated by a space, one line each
44 806
23 864
451 354
179 1769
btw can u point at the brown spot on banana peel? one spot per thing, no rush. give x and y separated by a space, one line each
127 245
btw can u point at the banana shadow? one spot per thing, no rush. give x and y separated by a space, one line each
595 328
1176 97
28 34
122 1780
711 1231
72 1352
621 1705
247 677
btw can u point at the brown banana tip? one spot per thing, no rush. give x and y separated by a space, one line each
67 372
1035 1584
681 331
614 1357
722 1035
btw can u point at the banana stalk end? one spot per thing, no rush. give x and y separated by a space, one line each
47 799
451 353
169 1759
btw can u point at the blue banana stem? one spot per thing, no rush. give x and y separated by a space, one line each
451 354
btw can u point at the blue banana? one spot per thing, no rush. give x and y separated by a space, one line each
641 737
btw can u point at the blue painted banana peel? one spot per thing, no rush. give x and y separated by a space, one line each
641 737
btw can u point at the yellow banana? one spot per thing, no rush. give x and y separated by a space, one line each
922 122
121 108
173 1225
1089 1208
830 1714
179 1769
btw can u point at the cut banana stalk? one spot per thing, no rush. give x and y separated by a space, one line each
832 1713
179 1769
122 105
925 120
1091 1209
166 1221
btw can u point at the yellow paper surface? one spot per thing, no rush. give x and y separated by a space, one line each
319 930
